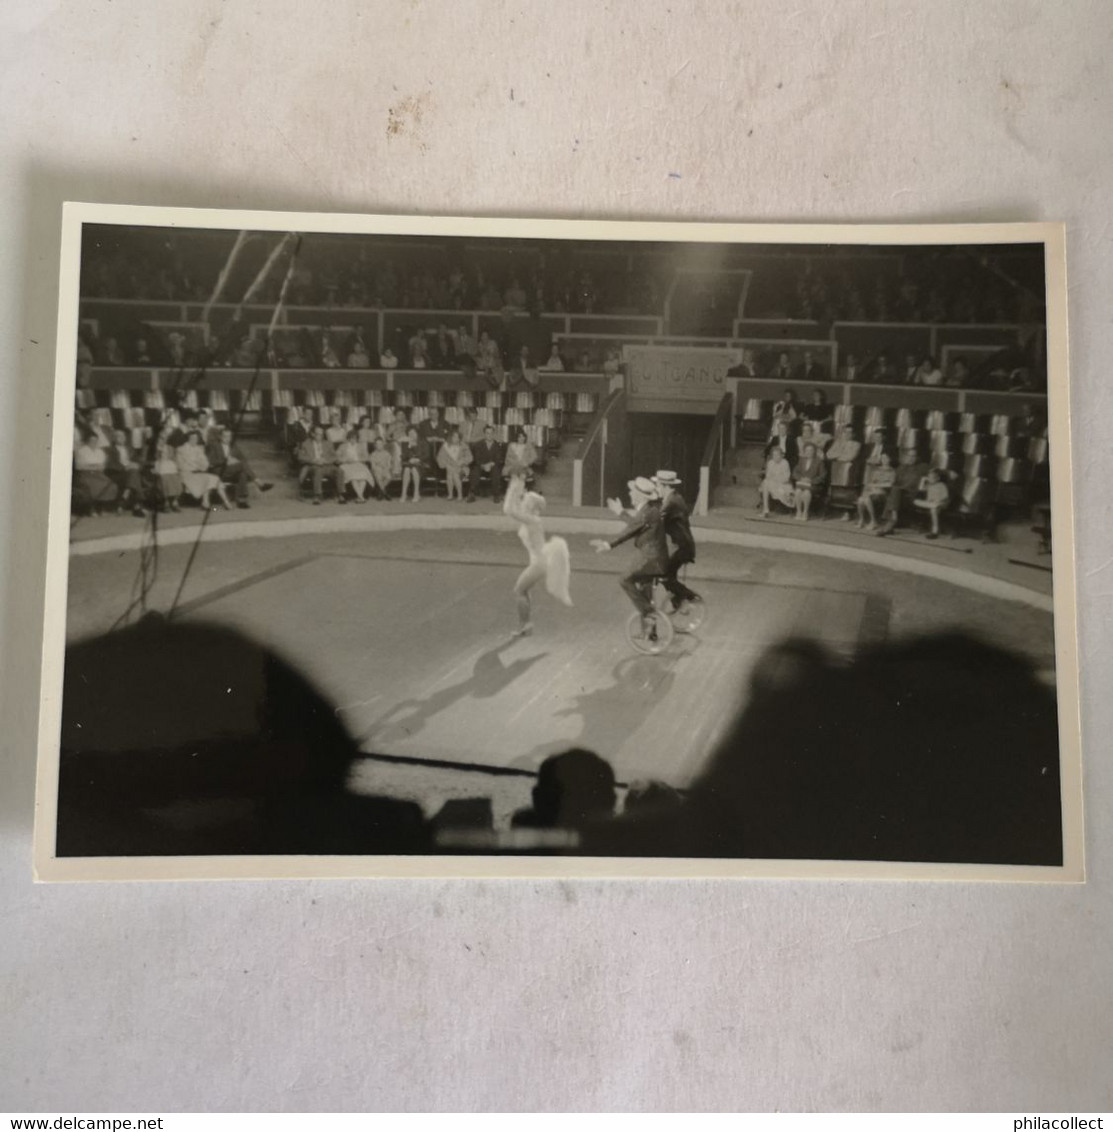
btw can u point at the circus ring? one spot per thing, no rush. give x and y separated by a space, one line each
403 620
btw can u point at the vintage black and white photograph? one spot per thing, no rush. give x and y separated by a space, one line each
390 544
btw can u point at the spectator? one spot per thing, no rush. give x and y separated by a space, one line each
454 456
382 468
573 789
911 368
487 457
811 475
466 348
876 447
433 430
524 372
554 362
336 433
124 471
329 358
367 432
197 480
783 440
520 457
884 373
583 363
927 372
851 369
359 358
442 351
810 370
782 371
317 458
785 411
936 497
908 481
515 296
168 480
612 362
227 460
844 448
471 429
92 487
206 426
959 377
819 412
488 358
351 457
387 360
142 353
415 461
879 480
808 435
419 350
113 355
777 481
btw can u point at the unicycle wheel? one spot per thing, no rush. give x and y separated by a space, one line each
689 616
651 633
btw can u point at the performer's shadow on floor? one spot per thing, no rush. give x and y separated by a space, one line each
489 676
612 715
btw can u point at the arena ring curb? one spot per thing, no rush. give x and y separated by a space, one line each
292 528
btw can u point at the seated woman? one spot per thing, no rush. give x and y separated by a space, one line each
168 481
382 468
520 457
351 455
454 456
197 480
880 478
936 497
92 489
777 482
809 435
367 432
414 455
811 475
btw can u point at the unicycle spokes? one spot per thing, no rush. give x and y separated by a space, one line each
649 633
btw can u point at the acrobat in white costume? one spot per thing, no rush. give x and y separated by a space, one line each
548 559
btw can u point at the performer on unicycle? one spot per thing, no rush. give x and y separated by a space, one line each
678 528
648 532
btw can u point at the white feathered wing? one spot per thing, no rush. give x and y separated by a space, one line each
558 569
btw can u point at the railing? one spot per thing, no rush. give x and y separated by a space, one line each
711 463
590 468
155 378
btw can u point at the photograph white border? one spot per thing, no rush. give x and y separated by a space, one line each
49 867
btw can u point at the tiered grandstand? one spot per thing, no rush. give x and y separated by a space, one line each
941 348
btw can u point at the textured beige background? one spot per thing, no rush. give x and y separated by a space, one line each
548 995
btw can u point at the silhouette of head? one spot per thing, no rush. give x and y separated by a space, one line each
572 788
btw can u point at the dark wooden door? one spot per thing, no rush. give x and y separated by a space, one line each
673 441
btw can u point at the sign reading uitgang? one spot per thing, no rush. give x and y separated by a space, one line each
676 373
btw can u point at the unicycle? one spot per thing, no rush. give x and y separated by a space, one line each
650 633
688 616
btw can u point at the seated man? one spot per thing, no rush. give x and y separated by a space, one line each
910 479
844 447
227 460
122 468
317 458
487 460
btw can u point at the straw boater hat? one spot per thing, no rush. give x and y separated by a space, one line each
645 486
666 479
